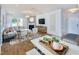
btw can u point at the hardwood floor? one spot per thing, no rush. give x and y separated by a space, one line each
17 49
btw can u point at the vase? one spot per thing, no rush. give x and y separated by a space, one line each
56 45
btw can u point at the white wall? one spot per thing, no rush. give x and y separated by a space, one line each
54 15
0 28
64 22
2 25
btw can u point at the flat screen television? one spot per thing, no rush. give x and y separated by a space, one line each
42 21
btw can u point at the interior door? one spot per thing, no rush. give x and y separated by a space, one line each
73 25
77 25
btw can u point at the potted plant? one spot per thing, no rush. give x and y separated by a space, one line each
55 43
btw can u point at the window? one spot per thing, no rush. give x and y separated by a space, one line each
14 22
20 22
17 22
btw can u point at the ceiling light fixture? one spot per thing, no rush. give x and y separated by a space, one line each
27 16
73 10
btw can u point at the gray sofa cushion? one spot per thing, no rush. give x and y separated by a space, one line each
71 38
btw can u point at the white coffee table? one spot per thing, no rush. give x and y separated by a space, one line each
73 49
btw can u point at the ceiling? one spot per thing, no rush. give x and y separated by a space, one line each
34 9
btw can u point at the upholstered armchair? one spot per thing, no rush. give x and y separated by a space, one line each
8 34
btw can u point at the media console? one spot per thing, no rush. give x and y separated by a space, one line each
42 29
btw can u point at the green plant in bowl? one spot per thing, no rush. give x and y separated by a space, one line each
45 38
55 39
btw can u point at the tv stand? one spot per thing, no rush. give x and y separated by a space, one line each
42 29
